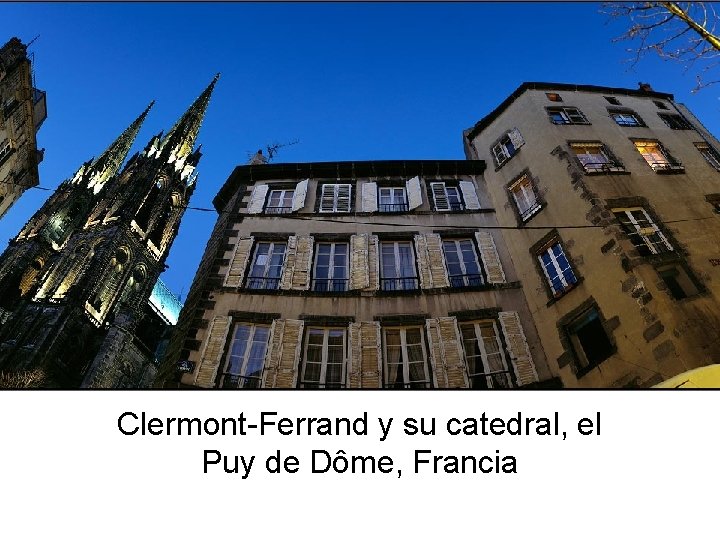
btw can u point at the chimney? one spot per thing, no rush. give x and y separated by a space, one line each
645 87
258 159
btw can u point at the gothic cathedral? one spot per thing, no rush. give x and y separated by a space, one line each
75 283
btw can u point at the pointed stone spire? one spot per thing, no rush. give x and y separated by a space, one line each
179 142
109 162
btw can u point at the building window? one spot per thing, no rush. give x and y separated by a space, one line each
397 267
675 121
246 357
267 266
612 100
447 198
507 146
462 263
331 267
392 199
678 281
645 235
5 150
525 197
324 365
660 105
486 363
595 157
709 153
552 96
556 266
657 156
280 201
627 118
589 340
336 198
405 358
566 115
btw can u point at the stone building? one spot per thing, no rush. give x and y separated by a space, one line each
76 284
608 198
22 111
372 274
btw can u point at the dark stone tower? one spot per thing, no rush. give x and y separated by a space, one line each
74 284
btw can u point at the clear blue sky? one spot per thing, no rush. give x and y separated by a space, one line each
350 81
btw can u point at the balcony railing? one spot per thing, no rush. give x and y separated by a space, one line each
263 283
602 167
239 381
278 210
466 280
396 207
329 285
660 165
530 211
457 207
399 284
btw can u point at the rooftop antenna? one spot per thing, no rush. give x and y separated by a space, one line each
271 149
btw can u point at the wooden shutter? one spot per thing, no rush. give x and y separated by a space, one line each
283 354
516 138
439 196
359 278
365 357
490 257
297 265
298 201
344 197
517 345
447 357
239 261
257 199
431 262
212 354
369 197
469 195
327 198
373 260
414 192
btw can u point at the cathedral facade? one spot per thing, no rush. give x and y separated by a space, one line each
75 282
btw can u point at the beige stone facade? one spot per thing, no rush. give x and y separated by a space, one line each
609 201
356 275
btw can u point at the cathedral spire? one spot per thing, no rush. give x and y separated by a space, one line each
109 162
180 140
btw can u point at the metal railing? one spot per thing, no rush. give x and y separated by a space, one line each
660 165
230 380
263 283
278 210
399 284
329 285
530 211
602 166
395 207
467 280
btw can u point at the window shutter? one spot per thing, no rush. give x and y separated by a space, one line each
239 261
298 262
515 138
344 194
299 197
469 195
520 356
414 192
212 352
499 154
373 263
327 199
365 358
359 278
257 199
289 264
439 196
431 262
446 353
283 354
490 257
369 197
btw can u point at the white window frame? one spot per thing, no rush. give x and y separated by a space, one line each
393 190
570 115
627 119
524 194
610 163
280 209
484 356
398 269
441 197
558 269
709 153
458 251
322 382
242 375
340 201
645 232
331 266
427 381
501 150
269 255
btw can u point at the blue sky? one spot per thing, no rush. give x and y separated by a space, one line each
349 81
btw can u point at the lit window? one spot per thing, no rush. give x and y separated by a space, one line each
324 365
627 118
675 121
525 197
709 153
462 263
657 156
557 269
552 96
645 235
280 201
446 197
393 199
595 157
331 267
486 362
405 358
246 357
566 115
336 198
589 340
397 269
267 266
